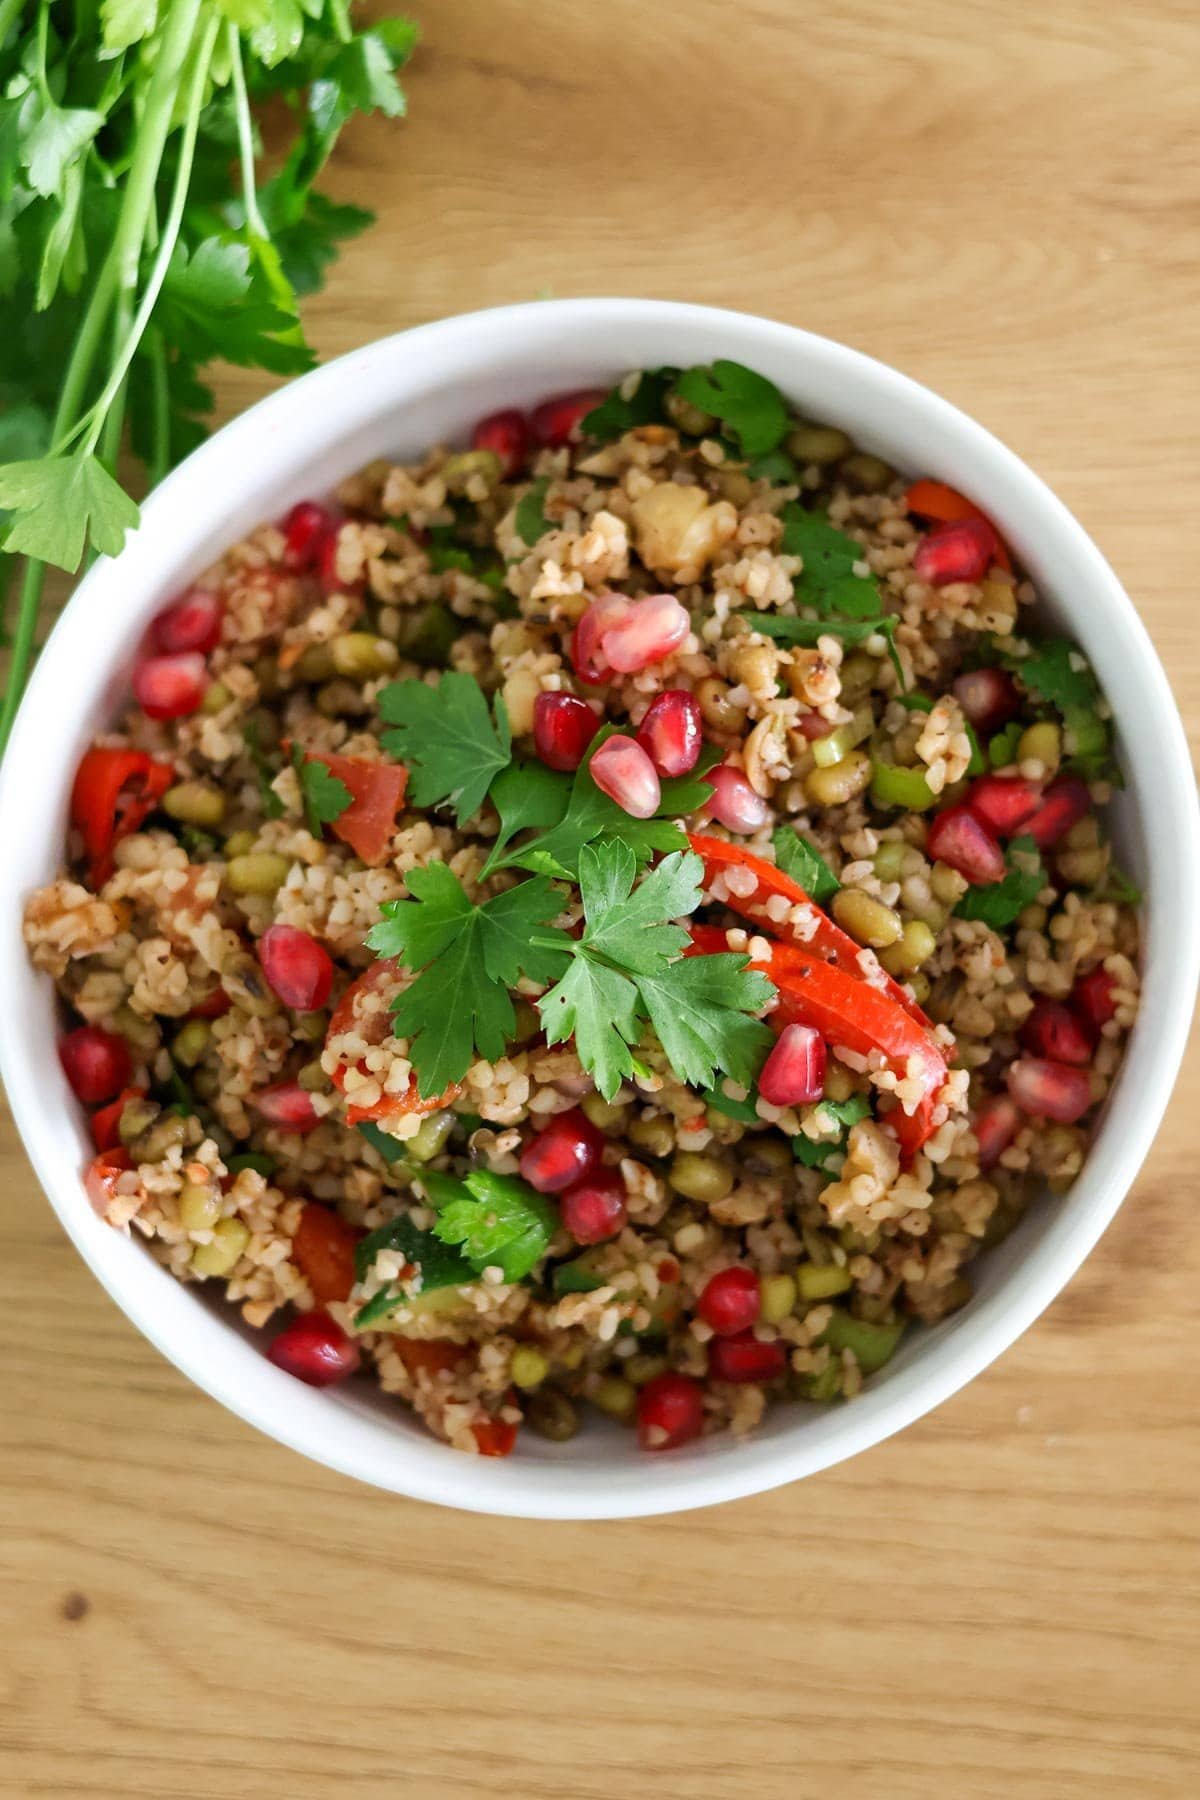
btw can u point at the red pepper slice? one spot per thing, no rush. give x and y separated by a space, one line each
106 1119
323 1251
828 941
847 1010
376 790
102 1174
375 1027
946 506
113 793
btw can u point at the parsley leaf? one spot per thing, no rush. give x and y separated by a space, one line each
591 815
748 404
438 1265
848 1112
500 1222
530 521
469 957
60 502
702 1009
576 1278
527 796
776 465
797 858
999 902
616 415
215 302
785 629
453 745
272 805
827 581
324 797
1050 672
598 1007
815 1153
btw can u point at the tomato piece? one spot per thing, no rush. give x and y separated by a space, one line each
356 1011
946 506
113 792
376 790
323 1251
828 940
102 1174
430 1356
495 1437
106 1119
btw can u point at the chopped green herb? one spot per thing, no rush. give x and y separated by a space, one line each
798 858
848 1112
616 415
575 1278
530 521
827 581
1118 889
528 797
452 744
784 628
998 904
272 805
590 815
324 797
500 1222
256 1160
743 1110
1051 672
391 1149
776 465
751 406
439 1264
1002 749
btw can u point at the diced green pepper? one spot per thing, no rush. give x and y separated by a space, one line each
892 785
871 1345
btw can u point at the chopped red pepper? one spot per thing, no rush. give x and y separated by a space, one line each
113 793
494 1437
430 1356
847 1010
323 1251
376 790
106 1119
828 941
102 1174
946 506
375 1026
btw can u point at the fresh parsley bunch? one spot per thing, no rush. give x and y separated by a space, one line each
137 245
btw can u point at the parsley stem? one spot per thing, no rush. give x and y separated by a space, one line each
8 14
245 132
160 407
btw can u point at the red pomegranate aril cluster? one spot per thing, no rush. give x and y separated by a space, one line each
621 769
794 1072
587 652
734 803
1005 803
670 1411
193 622
672 732
298 968
745 1358
989 698
563 727
170 687
306 530
595 1209
1065 802
1050 1090
1093 996
730 1301
506 435
1053 1031
556 421
962 551
995 1127
96 1062
287 1105
965 843
315 1350
564 1152
646 632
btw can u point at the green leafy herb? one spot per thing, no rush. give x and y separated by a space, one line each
827 581
786 629
530 521
591 815
999 903
438 1265
272 805
816 1154
137 244
751 406
528 797
628 969
776 465
500 1222
391 1149
453 744
256 1160
848 1112
1051 672
575 1278
798 858
322 795
459 1007
616 415
1117 888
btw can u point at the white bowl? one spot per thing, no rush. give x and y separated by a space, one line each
396 397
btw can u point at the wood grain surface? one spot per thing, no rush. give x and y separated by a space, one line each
1001 199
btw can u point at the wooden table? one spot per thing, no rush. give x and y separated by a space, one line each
999 199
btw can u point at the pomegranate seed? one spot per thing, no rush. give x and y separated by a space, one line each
315 1350
96 1062
1092 996
743 1358
963 551
594 1210
506 434
169 687
1005 803
494 1437
730 1301
299 969
563 727
995 1127
646 632
621 769
988 697
957 837
734 803
1066 801
193 622
327 569
1053 1031
814 726
794 1072
306 530
566 1151
586 653
287 1105
670 1411
672 732
555 422
1050 1090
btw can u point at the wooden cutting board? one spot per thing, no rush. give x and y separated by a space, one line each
1000 199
